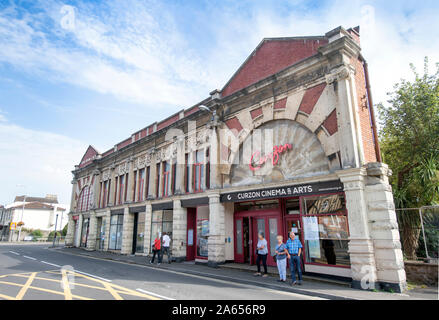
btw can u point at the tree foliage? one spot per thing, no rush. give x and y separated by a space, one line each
409 141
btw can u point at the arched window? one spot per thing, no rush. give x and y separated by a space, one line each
84 201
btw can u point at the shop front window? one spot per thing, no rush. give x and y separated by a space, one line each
116 224
140 232
161 222
202 231
326 231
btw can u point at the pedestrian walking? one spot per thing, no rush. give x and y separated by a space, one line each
156 249
165 246
281 259
294 247
261 253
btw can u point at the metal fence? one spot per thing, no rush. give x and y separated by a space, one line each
419 232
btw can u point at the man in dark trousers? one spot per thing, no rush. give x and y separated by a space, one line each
294 247
156 249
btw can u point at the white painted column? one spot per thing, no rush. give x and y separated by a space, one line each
107 219
78 231
384 228
147 239
349 148
215 173
127 233
92 231
361 249
179 231
216 240
70 231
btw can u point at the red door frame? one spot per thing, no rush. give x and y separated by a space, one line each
253 216
191 224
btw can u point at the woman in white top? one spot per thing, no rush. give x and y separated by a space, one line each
262 252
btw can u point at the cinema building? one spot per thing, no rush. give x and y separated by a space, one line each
289 144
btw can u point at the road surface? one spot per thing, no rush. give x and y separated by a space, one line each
37 272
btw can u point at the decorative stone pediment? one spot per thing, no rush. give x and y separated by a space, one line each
279 150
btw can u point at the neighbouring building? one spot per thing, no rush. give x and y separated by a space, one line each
36 213
5 223
289 144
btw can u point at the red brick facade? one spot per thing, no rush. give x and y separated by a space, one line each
363 112
270 57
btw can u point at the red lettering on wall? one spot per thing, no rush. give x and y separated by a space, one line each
257 161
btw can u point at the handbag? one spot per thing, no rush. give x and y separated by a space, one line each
275 258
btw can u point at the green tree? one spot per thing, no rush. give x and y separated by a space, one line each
64 230
37 233
409 142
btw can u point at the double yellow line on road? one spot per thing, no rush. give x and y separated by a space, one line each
116 291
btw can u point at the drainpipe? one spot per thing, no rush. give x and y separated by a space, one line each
371 111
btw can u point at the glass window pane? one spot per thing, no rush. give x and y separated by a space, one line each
324 204
272 224
202 236
261 226
113 231
119 237
167 215
239 236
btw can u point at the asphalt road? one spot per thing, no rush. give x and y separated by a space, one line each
36 272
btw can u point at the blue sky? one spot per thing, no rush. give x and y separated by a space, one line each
122 65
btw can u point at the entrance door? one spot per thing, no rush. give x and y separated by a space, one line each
269 226
190 239
136 219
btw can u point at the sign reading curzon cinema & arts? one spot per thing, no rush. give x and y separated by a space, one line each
284 192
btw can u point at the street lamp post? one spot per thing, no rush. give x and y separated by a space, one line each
54 235
21 220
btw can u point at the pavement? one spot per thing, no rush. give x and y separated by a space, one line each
38 271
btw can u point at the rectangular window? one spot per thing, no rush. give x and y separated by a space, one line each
147 182
174 176
165 178
140 232
107 200
157 180
140 184
121 188
199 171
207 168
100 194
326 231
186 173
115 190
134 187
125 196
116 224
202 231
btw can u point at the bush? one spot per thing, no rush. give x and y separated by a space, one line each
36 233
51 234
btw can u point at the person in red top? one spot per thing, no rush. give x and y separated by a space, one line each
156 249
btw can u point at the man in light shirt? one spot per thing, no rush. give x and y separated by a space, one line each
165 246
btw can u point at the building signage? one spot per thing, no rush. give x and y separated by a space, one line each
284 192
257 161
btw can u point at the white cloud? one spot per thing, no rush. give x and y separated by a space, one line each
41 161
136 52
